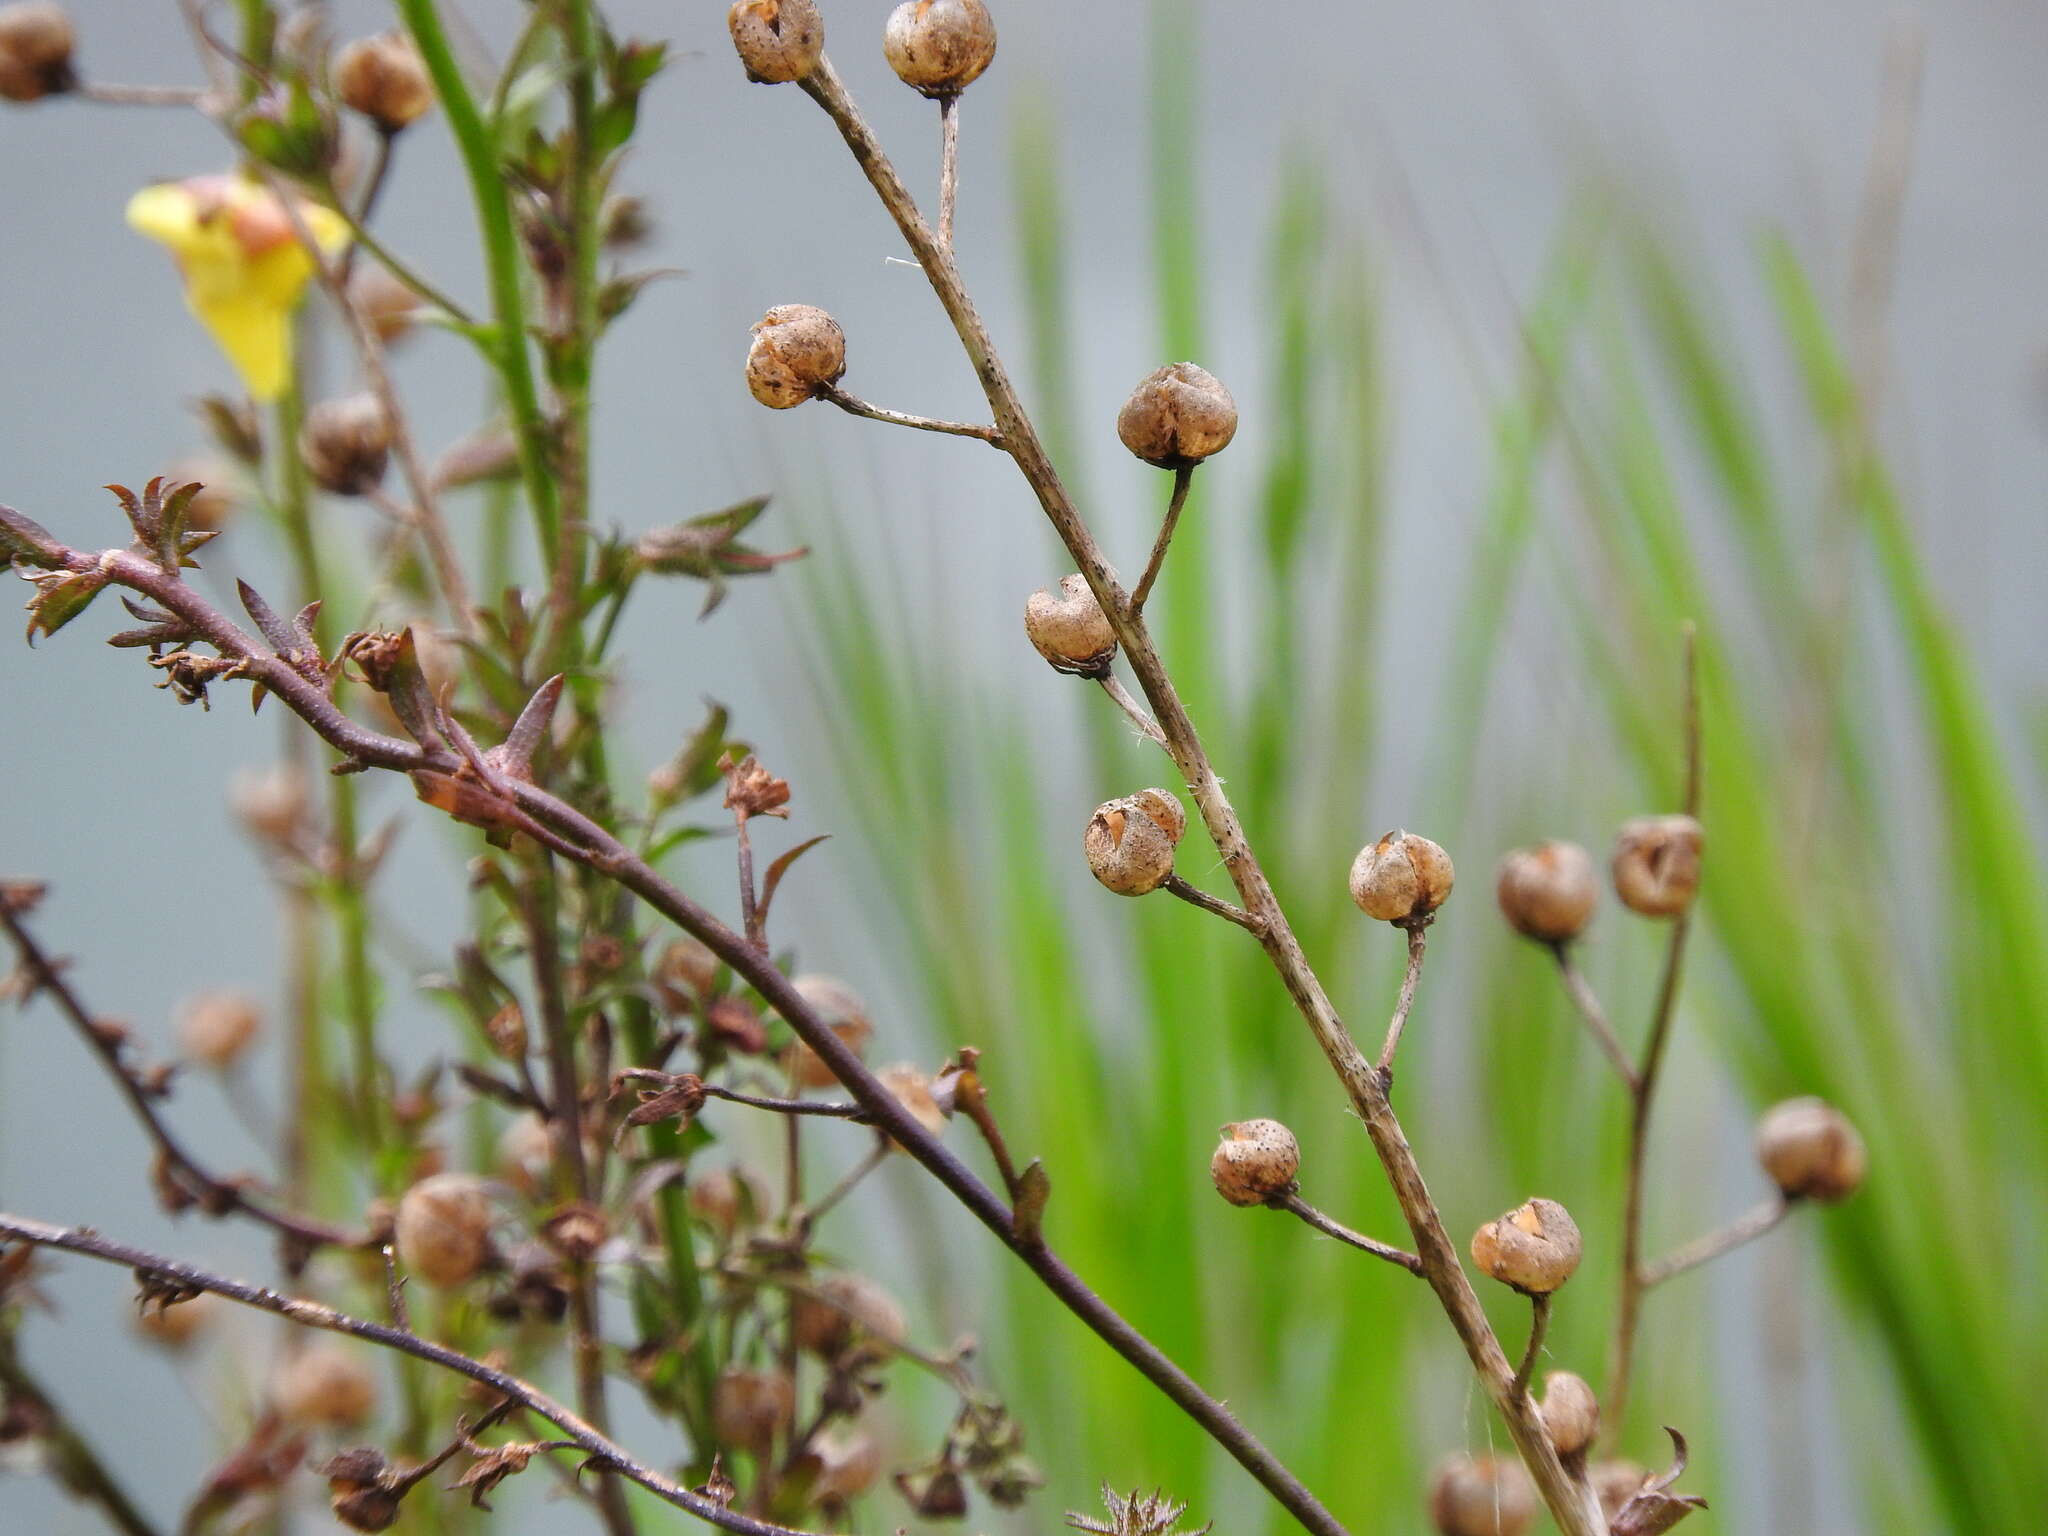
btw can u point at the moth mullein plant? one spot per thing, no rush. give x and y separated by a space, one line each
614 1031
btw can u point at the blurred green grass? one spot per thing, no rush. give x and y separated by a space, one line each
1876 926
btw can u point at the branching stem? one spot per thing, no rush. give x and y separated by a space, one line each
853 405
1194 896
1746 1228
1120 696
1588 1004
1293 1202
1183 478
1539 1327
949 165
1417 930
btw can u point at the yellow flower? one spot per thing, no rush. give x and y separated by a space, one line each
243 265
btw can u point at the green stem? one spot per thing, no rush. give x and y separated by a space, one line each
501 256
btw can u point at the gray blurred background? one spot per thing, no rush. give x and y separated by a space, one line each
1458 133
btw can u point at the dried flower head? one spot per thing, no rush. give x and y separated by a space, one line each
848 1464
1810 1150
1154 1514
1402 878
1548 892
1615 1483
837 1004
845 1309
326 1386
1571 1413
727 1199
1066 626
35 51
1130 842
1177 417
443 1231
1534 1248
939 46
346 443
797 351
1481 1496
778 40
1657 864
748 1407
215 1028
1255 1161
384 78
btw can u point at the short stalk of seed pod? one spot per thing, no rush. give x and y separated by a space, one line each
1195 896
1656 864
1481 1496
1066 625
36 42
1130 842
1292 1203
939 47
346 443
1539 1329
1746 1228
1811 1151
798 350
1535 1248
1255 1163
1417 929
777 40
384 79
1183 480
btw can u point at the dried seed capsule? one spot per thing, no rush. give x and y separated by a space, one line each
1256 1160
525 1150
391 309
797 350
848 1464
846 1308
778 40
1481 1496
326 1386
1571 1413
727 1199
1657 864
217 1027
833 1001
913 1090
35 51
444 1228
1810 1150
270 803
1130 842
1177 417
1615 1483
1401 878
1533 1248
174 1328
748 1407
346 443
1548 892
939 46
1067 627
684 974
384 78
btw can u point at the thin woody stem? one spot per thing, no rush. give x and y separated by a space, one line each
876 1156
1628 1309
1183 478
1120 696
750 906
1539 1326
1417 930
313 1314
1571 1503
949 165
1588 1004
578 837
1746 1228
1292 1201
788 1106
1194 896
69 1457
854 405
213 1194
141 95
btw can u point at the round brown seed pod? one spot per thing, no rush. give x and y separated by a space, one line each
1657 864
35 51
1400 878
1570 1412
1256 1160
1481 1496
846 1308
833 1001
1810 1151
1067 627
443 1231
939 46
748 1407
913 1090
384 78
1548 892
270 803
1178 416
1533 1248
684 973
848 1464
797 350
1130 842
346 444
1615 1483
175 1328
778 40
326 1386
217 1027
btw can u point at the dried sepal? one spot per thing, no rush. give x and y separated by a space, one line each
1654 1509
492 1466
1152 1514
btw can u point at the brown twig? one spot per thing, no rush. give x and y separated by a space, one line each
1120 696
949 164
313 1314
1583 998
1539 1327
1293 1202
141 95
1577 1512
853 405
394 1290
820 1108
1194 896
1417 930
876 1156
1746 1228
1628 1308
213 1194
1183 478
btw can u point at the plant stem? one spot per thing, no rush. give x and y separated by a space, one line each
1583 998
1194 896
855 406
1746 1228
1293 1202
949 164
1417 930
1121 697
1183 478
1539 1326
